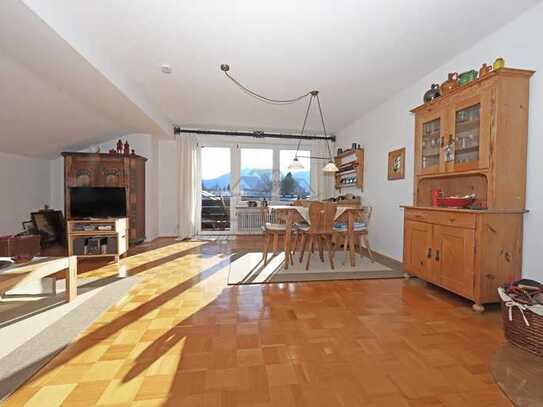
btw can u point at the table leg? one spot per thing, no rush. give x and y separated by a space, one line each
71 279
351 239
288 231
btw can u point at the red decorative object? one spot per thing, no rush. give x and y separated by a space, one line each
119 147
455 202
126 148
436 194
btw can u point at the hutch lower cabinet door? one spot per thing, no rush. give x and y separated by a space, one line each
418 249
454 258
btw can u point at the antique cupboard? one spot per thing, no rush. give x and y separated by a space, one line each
470 141
110 170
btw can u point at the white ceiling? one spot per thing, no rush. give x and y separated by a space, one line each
51 98
355 52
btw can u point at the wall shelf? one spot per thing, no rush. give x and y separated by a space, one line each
354 157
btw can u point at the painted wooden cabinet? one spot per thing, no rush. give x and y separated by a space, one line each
110 170
471 141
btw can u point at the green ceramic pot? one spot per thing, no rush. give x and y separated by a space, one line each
467 77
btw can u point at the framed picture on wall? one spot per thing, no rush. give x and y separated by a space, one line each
396 164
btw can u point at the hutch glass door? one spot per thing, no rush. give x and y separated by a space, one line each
430 146
467 128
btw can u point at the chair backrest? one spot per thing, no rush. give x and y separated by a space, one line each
322 217
264 214
365 215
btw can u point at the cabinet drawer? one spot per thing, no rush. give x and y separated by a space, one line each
417 215
461 220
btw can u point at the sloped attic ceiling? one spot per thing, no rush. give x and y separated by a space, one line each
356 52
86 71
51 97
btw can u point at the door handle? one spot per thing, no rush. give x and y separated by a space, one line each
442 141
429 252
437 255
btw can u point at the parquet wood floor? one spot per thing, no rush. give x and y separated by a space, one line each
182 337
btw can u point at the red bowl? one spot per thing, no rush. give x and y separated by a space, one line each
451 202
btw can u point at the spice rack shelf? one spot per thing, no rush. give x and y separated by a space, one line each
353 174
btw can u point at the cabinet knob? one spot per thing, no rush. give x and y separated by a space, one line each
429 252
437 255
452 220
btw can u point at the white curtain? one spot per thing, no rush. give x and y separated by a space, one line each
189 176
322 184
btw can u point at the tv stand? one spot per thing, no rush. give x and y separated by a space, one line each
98 237
109 170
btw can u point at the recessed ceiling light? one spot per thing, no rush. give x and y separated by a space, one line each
165 68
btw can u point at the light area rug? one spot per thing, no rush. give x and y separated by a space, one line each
28 343
249 268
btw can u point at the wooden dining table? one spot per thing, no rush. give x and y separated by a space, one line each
293 214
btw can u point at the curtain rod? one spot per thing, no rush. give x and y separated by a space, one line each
254 134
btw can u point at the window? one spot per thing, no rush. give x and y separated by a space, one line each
294 183
256 174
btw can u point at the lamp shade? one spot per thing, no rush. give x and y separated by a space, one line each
296 164
330 167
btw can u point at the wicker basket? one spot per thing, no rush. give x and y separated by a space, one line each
529 338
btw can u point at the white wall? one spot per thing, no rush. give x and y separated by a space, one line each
24 188
390 126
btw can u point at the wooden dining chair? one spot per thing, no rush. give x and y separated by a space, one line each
318 232
272 232
361 226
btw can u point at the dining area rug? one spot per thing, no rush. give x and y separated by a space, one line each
249 268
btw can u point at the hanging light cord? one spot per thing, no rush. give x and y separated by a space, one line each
226 68
313 94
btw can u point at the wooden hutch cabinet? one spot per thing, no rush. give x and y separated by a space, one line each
472 140
110 170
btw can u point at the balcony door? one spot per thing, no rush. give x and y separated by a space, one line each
234 174
216 190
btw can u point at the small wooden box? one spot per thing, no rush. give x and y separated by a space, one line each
25 245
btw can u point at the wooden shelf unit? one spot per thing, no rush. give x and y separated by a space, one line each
116 238
110 170
356 157
479 132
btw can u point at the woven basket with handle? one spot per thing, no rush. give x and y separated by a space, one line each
524 331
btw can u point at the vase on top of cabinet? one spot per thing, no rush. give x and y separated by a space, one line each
470 142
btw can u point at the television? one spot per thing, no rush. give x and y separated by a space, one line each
97 202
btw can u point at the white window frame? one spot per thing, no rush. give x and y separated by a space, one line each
235 168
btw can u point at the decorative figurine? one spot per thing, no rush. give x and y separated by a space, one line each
119 147
467 77
499 63
432 93
485 69
126 148
450 84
